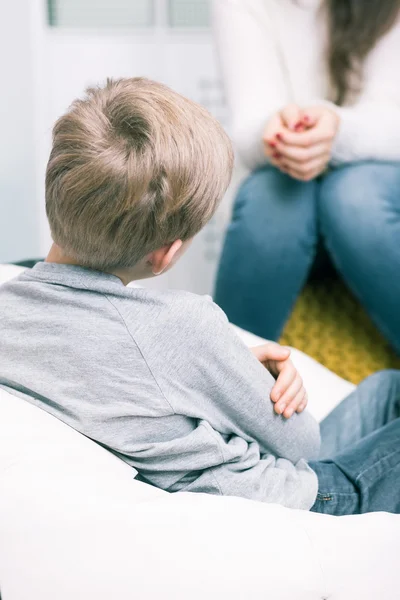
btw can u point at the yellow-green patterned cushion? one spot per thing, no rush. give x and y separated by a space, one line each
330 325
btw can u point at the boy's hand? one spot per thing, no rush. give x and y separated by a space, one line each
288 393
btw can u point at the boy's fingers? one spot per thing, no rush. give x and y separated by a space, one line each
283 384
270 351
303 404
295 403
276 352
289 395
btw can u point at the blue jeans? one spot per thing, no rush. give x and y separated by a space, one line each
276 230
359 469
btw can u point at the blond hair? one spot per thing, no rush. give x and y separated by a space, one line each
134 166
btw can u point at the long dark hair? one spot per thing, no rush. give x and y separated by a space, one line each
354 27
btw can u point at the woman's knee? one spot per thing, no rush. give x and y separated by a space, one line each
270 203
355 198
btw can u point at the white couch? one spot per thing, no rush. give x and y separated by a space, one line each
76 525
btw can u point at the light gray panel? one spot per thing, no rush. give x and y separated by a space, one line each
101 13
19 229
189 13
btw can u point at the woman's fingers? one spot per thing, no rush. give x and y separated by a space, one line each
295 136
299 155
271 130
306 139
324 130
309 176
304 171
288 119
292 117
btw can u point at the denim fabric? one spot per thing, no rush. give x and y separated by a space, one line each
359 468
277 226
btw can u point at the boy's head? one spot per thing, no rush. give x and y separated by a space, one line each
134 168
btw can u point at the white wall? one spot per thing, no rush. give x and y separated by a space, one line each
19 45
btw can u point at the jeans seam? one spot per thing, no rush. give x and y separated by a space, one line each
357 480
335 494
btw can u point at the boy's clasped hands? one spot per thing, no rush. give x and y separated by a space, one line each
288 393
299 141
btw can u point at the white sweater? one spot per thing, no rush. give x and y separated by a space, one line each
272 53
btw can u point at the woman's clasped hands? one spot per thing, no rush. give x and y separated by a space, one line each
299 141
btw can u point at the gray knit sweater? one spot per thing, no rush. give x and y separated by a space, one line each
159 378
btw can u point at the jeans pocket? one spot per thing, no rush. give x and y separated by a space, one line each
338 504
324 497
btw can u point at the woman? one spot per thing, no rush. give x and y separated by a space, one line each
314 89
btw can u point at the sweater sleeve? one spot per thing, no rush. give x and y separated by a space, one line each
251 71
212 376
211 379
370 129
229 387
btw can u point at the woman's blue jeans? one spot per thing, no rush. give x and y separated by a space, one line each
359 469
276 229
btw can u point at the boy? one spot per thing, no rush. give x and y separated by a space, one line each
157 377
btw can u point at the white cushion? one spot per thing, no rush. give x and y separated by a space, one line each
9 271
75 524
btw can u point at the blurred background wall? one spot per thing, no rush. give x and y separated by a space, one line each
20 28
51 50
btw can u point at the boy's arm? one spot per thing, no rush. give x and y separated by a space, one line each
208 373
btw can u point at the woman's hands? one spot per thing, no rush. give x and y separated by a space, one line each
299 141
288 394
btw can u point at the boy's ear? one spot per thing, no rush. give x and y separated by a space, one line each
160 259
